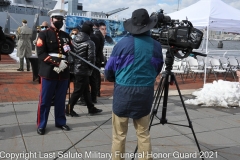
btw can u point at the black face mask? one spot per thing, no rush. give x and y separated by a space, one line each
58 24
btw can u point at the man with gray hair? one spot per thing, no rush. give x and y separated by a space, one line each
24 46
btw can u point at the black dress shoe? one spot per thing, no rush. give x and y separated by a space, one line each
65 127
19 69
36 79
28 69
41 131
72 114
94 110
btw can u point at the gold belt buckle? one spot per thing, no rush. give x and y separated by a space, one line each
59 55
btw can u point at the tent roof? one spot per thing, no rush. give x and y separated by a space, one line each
213 13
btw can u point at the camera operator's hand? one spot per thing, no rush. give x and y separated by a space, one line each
56 69
63 65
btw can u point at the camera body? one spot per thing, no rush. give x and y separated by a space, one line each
174 34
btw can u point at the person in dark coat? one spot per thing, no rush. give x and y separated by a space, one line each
107 39
2 39
54 71
95 79
85 48
99 55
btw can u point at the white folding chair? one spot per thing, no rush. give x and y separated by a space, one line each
216 68
201 61
233 67
178 69
224 63
238 60
193 67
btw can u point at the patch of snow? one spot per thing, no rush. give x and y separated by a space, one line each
13 55
219 93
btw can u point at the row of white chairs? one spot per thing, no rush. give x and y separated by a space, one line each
230 64
216 65
107 50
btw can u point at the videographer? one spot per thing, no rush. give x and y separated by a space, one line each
134 64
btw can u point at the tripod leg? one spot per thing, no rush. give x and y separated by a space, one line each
163 119
157 99
189 121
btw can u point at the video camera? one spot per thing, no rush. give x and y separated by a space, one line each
176 36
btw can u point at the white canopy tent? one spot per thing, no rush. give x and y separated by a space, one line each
210 15
214 14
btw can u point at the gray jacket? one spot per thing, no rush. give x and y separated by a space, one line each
24 45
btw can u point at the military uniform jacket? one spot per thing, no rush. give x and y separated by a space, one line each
52 41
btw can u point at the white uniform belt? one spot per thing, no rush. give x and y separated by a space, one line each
57 55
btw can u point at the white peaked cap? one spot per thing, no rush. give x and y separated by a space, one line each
57 12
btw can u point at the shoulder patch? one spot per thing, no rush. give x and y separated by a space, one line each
39 42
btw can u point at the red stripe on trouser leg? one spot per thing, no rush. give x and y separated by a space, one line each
39 104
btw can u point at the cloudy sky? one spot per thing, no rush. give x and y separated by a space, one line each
151 5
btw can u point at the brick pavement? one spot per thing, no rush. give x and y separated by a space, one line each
18 86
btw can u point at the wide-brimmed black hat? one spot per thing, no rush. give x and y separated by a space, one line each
140 22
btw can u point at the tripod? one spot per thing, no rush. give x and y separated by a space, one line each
163 87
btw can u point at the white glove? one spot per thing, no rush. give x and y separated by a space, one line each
56 69
63 65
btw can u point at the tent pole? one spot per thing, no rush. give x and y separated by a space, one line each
205 68
205 38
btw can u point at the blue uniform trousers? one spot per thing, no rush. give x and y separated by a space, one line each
47 90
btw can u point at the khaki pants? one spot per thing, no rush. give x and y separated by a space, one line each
120 128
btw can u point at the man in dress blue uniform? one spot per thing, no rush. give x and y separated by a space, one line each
54 73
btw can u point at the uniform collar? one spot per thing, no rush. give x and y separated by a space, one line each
54 29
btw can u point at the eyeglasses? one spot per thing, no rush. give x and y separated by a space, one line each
44 26
74 33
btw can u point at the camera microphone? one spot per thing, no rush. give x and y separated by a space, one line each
199 54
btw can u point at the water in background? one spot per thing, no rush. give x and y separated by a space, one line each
230 48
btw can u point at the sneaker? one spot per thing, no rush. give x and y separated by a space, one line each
72 114
94 110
